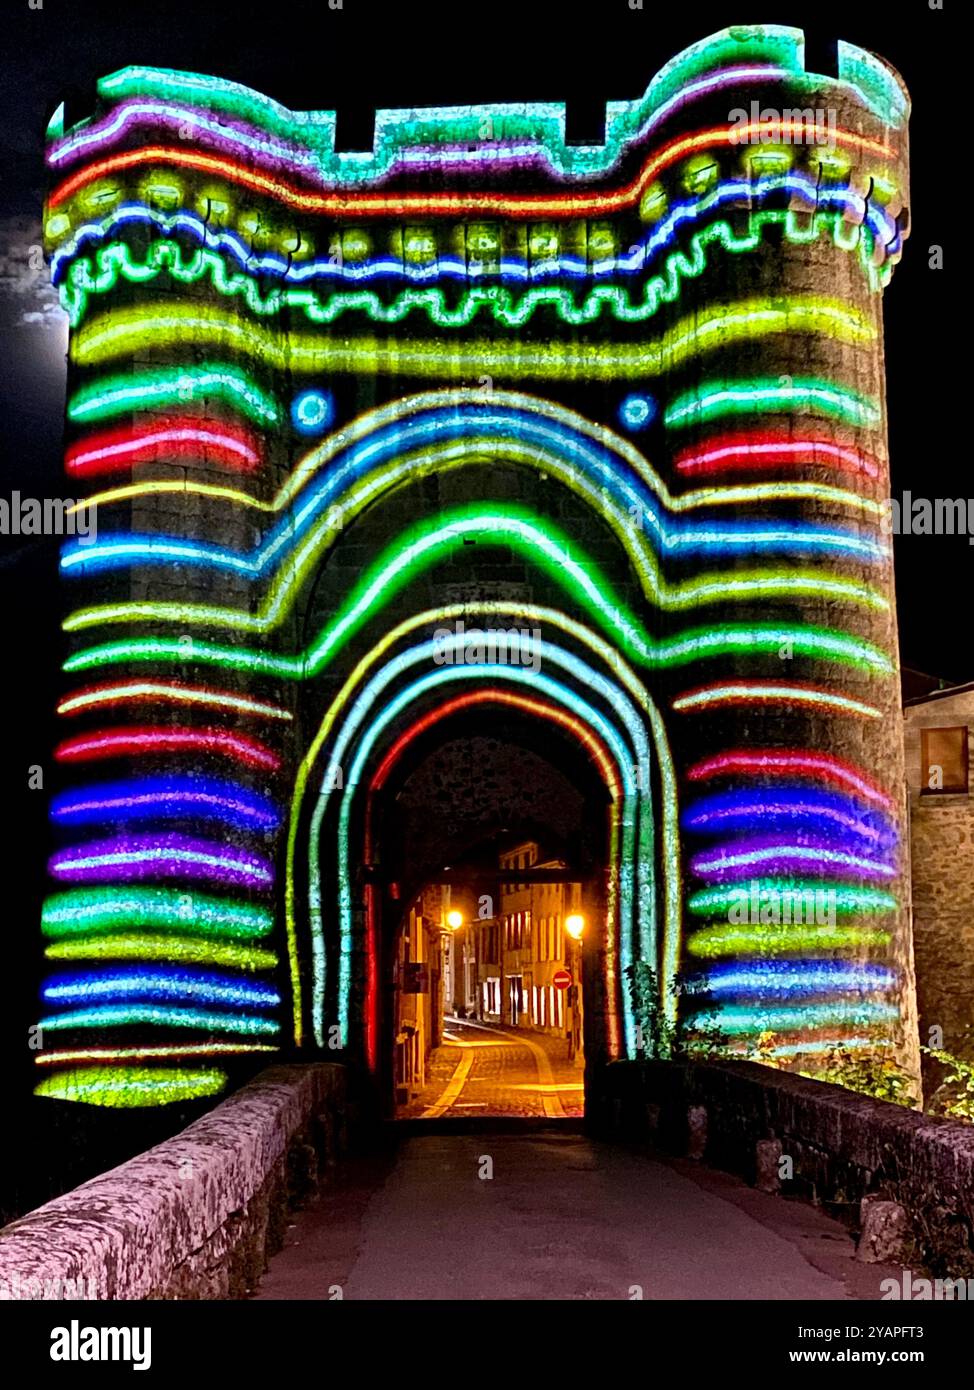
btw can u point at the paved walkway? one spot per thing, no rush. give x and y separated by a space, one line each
486 1070
536 1210
550 1214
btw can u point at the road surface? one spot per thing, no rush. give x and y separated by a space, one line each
545 1212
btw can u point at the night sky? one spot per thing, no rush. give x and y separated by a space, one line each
419 53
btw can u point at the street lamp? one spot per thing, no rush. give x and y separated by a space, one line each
575 929
454 921
575 925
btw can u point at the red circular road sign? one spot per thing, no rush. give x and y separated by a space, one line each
562 979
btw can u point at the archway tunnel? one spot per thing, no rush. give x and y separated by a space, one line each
487 779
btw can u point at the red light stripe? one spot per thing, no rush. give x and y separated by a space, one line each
752 450
446 204
779 762
140 740
115 451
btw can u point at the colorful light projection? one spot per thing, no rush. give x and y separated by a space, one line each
312 333
344 474
230 271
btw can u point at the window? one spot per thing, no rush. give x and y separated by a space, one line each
943 760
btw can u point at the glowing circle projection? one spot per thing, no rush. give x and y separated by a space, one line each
312 411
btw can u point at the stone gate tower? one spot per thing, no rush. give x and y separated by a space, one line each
340 413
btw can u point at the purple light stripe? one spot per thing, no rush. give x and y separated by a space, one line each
772 856
124 858
239 137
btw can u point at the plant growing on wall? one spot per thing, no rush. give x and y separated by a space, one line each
958 1084
691 1033
874 1076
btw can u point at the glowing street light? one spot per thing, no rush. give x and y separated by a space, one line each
575 925
454 920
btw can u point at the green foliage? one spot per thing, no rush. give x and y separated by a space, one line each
694 1033
764 1050
960 1074
874 1076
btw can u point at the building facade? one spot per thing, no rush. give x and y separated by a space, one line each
939 748
519 950
418 984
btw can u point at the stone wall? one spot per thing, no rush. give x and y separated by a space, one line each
942 852
195 1217
847 1150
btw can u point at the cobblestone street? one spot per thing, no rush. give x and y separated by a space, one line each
486 1070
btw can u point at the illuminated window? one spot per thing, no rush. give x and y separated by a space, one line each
943 760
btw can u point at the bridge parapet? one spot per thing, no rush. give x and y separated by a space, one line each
847 1150
194 1217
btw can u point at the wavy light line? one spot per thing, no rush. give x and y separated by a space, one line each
153 741
708 697
127 1088
348 203
168 323
167 693
424 546
118 450
789 762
